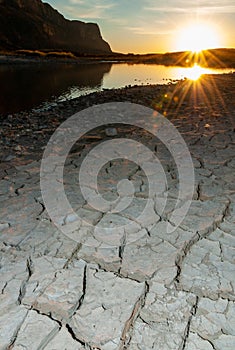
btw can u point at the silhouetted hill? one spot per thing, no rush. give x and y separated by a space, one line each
218 57
213 58
32 24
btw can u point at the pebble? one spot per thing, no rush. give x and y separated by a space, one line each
18 148
8 158
4 226
111 132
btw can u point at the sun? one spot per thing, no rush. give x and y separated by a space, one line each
197 37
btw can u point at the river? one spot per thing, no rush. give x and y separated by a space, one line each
34 86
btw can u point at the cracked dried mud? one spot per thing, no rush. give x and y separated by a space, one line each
144 289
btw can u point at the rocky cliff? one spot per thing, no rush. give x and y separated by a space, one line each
32 24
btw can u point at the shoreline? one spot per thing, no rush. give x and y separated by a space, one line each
26 133
63 283
19 60
214 58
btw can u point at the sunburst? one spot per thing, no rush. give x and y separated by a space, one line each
197 37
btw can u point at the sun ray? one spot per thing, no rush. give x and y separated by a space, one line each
200 93
197 37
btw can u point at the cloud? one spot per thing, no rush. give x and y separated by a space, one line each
167 9
118 21
78 14
151 30
93 9
77 2
216 9
184 6
200 10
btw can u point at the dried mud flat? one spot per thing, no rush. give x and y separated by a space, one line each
156 291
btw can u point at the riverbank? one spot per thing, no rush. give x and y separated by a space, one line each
211 98
214 58
142 288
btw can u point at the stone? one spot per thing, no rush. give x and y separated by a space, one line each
9 158
18 148
4 225
111 132
45 22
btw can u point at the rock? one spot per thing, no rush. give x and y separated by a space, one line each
37 25
18 148
4 225
111 132
9 158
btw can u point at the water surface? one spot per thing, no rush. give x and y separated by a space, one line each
24 87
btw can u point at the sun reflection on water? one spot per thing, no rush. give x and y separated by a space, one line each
195 72
124 74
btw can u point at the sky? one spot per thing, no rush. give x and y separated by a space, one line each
148 26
